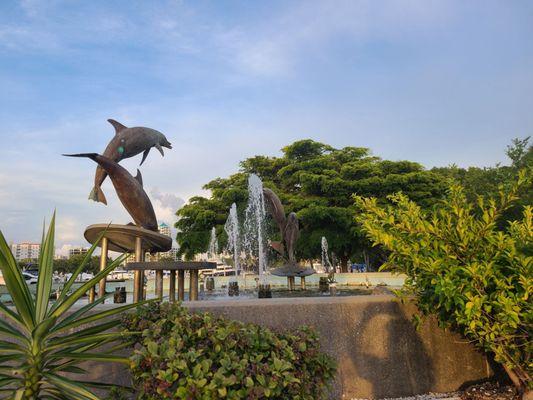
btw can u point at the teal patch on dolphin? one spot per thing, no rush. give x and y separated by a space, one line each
127 142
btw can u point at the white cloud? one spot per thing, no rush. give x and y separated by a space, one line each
272 47
166 205
63 250
167 200
278 45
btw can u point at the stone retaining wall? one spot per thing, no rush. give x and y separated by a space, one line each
380 353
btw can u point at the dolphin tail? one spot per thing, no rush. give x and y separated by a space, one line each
97 195
92 156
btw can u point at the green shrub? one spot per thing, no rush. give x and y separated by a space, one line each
474 277
183 355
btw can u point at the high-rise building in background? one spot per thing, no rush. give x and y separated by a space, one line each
26 251
164 229
77 250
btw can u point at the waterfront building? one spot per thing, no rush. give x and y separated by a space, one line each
26 251
164 229
77 250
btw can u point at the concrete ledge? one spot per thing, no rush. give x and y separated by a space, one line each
379 352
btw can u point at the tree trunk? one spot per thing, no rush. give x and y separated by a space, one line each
344 263
366 258
520 379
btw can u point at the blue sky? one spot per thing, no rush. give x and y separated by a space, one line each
437 82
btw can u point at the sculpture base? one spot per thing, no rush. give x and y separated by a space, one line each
291 270
121 238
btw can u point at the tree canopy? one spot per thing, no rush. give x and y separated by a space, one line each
71 264
489 181
316 181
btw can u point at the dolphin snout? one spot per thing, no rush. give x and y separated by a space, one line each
166 144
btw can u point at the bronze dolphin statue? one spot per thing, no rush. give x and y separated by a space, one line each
128 142
288 226
129 190
291 233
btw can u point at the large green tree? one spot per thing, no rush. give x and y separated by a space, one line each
317 182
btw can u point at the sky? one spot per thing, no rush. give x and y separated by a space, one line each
438 82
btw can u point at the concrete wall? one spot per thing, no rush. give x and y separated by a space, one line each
379 352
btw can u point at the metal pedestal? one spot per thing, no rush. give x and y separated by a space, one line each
138 280
103 265
172 287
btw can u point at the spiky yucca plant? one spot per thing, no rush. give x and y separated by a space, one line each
40 341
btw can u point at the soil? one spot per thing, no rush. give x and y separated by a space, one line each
490 391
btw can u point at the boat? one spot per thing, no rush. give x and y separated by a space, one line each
220 270
119 275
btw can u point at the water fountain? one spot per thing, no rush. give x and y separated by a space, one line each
327 283
212 255
212 251
260 202
255 232
234 246
255 226
325 257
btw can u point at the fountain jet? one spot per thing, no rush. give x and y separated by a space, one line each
255 224
232 230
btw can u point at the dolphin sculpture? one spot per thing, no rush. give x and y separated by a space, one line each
288 226
129 190
291 233
126 143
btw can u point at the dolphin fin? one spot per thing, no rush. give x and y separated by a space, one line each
117 125
97 195
145 154
139 177
158 147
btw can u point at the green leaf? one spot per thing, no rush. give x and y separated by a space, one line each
73 388
90 357
78 271
82 310
44 281
15 318
17 287
65 305
99 316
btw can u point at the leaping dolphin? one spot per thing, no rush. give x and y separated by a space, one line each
288 226
128 142
129 190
